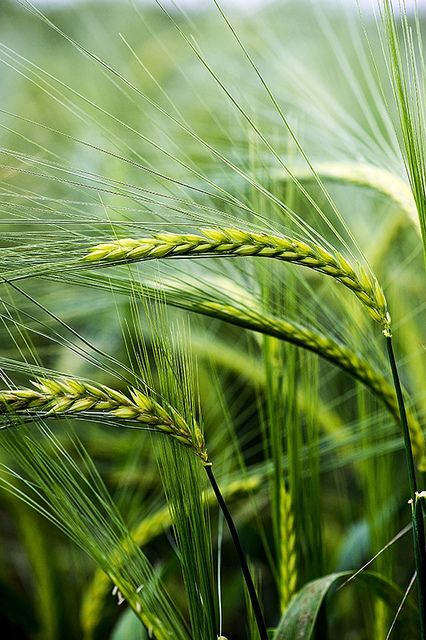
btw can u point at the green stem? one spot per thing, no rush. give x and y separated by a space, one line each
243 562
407 442
417 511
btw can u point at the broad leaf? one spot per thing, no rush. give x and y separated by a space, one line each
299 622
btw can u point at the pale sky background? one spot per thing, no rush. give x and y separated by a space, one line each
365 4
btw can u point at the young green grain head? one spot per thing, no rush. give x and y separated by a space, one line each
237 243
56 398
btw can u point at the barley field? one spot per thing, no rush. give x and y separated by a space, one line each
213 320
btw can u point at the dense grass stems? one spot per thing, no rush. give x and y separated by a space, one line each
406 68
239 243
191 391
239 307
55 398
149 528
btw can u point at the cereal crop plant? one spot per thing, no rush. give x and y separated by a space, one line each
212 318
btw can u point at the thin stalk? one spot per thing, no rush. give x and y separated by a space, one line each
403 414
243 562
420 557
417 512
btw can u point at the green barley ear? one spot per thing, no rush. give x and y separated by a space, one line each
234 242
361 174
57 398
231 303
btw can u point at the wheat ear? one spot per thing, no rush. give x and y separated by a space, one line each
235 242
329 349
361 174
56 398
